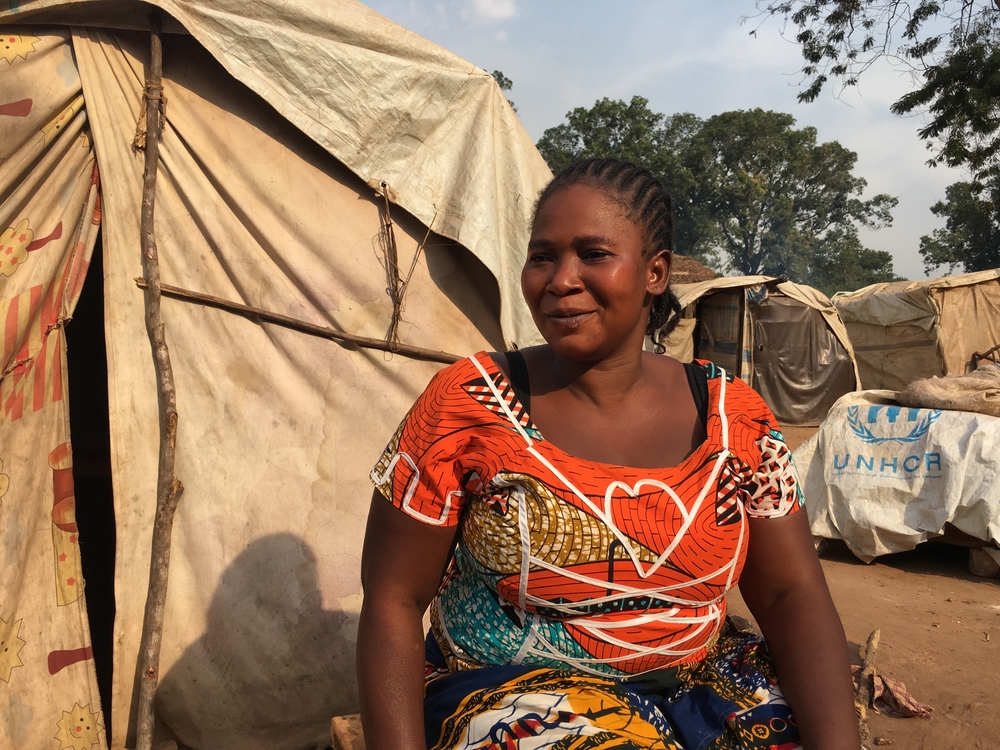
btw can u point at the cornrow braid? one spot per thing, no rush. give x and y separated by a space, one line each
647 205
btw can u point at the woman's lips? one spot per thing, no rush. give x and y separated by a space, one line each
568 320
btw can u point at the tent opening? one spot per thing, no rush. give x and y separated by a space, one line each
720 329
90 434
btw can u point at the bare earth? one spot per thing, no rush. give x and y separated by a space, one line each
940 635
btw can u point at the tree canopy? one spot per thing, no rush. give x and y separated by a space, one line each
951 44
752 193
971 235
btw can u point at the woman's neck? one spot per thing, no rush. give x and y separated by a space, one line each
604 383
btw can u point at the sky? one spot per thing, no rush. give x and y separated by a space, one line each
689 56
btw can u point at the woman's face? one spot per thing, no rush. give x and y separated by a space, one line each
585 279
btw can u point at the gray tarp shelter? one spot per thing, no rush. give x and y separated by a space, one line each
784 339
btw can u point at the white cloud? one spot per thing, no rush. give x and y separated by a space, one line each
492 10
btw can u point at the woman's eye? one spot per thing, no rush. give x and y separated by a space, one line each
595 254
538 258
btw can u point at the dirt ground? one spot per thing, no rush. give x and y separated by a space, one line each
940 635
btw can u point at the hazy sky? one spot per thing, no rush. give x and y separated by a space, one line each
687 56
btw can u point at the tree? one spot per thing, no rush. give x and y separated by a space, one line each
971 235
842 263
505 85
776 196
951 44
747 185
611 128
633 132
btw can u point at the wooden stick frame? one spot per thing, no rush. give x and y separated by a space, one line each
168 487
260 314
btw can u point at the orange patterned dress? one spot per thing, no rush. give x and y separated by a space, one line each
587 568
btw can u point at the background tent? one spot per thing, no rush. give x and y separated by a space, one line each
907 330
287 127
786 340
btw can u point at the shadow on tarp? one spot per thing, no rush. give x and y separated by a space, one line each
263 672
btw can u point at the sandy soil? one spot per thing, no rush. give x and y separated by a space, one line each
940 635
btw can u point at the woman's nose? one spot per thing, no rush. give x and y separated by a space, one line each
565 276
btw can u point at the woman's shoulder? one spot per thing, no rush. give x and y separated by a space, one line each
476 377
455 375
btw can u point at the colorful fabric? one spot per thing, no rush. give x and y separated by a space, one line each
729 700
50 216
575 564
572 576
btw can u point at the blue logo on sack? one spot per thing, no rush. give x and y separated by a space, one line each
923 419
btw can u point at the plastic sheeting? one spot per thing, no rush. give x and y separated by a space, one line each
49 218
800 368
906 330
884 477
790 345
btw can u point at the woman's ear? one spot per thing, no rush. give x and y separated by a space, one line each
658 273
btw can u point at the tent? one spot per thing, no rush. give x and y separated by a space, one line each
784 339
906 330
310 151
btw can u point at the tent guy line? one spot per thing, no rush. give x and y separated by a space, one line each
302 326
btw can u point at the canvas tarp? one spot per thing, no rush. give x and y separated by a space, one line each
49 217
798 366
278 430
390 105
906 330
884 477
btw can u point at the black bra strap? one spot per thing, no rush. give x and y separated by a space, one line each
698 381
519 379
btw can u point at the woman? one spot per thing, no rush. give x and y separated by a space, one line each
575 514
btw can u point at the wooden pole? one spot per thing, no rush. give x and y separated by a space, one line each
417 352
863 696
168 488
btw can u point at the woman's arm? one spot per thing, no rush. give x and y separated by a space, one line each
401 568
784 587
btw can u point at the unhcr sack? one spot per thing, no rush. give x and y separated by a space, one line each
885 477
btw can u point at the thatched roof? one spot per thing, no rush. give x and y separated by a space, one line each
685 270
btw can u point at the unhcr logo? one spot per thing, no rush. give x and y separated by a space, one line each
863 428
884 426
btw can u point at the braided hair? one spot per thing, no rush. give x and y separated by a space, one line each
647 205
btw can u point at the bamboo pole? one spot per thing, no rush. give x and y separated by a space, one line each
302 326
168 487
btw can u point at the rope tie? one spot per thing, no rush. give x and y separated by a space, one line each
395 284
151 92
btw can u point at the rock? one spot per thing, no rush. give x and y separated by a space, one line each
983 563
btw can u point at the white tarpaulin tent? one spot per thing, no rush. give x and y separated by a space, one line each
282 119
906 330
